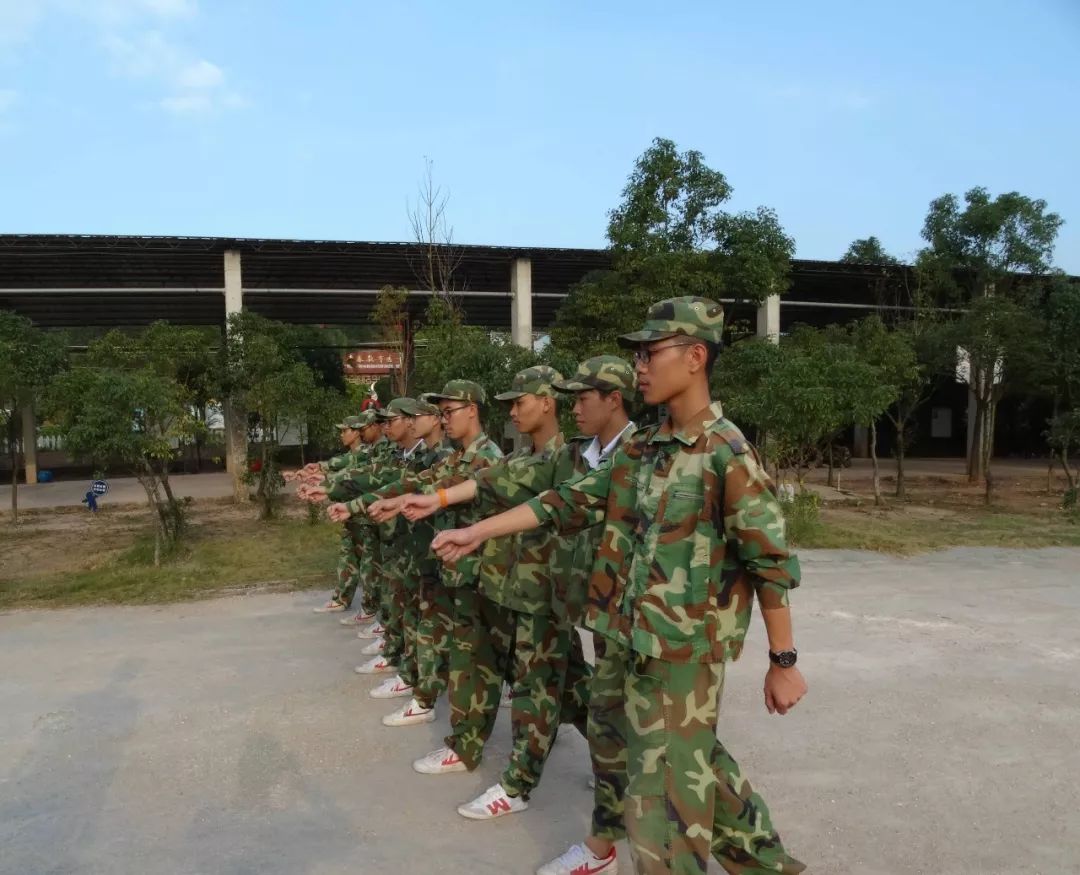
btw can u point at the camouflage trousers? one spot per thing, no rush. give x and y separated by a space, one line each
479 648
607 737
686 796
348 569
433 636
393 604
542 659
409 594
367 547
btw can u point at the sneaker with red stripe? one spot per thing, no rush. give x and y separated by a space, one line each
375 665
394 688
439 762
357 619
579 860
375 630
492 803
410 715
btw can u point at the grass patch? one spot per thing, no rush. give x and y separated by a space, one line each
907 531
214 558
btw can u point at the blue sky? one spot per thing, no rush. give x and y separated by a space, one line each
313 120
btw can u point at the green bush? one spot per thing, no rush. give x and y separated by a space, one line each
802 513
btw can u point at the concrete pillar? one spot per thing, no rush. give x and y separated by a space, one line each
235 418
29 425
768 319
521 302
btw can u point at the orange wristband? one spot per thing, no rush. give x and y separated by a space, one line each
442 498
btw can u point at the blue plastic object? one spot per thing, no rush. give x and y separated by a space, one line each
44 477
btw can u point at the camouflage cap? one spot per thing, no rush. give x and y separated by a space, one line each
694 317
538 380
604 372
397 407
358 422
458 390
419 407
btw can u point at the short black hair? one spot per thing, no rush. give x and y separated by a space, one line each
712 354
604 393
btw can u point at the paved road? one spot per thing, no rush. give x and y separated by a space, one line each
122 490
230 737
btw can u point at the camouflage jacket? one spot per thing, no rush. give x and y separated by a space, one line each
691 532
517 572
383 465
464 462
418 535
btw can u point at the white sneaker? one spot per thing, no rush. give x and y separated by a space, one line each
493 802
592 782
507 700
375 630
375 665
409 715
579 860
331 607
394 688
376 646
439 762
357 619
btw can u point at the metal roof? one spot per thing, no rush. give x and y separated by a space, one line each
72 280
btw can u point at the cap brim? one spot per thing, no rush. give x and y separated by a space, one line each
510 396
432 397
342 425
571 386
639 337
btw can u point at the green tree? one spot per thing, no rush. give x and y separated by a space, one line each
126 403
868 250
986 256
265 373
29 358
670 236
1061 373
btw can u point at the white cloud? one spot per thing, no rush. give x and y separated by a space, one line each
134 34
200 75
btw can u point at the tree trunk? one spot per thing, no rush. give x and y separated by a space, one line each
901 486
1065 464
977 455
149 486
988 435
832 467
13 450
874 463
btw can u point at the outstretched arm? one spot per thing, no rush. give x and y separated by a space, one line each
452 544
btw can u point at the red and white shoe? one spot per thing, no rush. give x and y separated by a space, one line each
376 646
357 619
331 607
493 802
394 688
579 860
439 762
375 630
409 715
375 665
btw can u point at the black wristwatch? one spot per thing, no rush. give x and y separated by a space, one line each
785 658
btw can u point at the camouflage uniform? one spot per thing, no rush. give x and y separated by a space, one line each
607 715
385 467
420 568
351 544
692 533
474 643
543 653
438 630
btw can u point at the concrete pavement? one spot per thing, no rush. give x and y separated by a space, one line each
231 736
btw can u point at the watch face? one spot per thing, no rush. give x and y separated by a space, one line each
785 659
